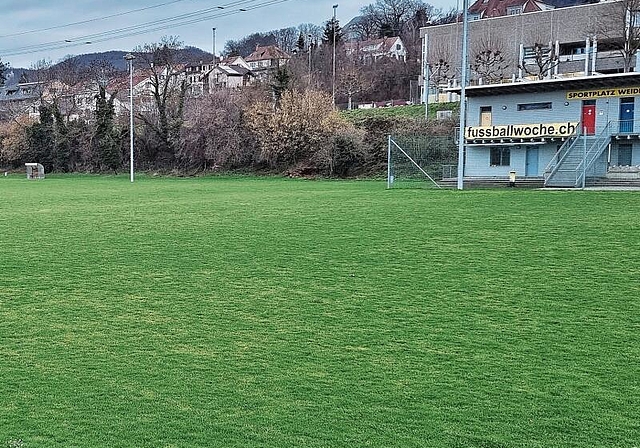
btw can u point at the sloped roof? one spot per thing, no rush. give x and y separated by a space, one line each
267 53
498 8
384 45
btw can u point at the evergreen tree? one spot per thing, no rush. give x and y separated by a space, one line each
327 35
3 69
300 44
105 138
40 138
279 85
62 144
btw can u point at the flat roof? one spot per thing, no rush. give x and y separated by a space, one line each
552 85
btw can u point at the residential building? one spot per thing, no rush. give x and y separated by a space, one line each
374 49
568 132
266 59
484 9
228 76
195 74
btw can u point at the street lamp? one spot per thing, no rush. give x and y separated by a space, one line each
129 57
463 94
310 48
335 7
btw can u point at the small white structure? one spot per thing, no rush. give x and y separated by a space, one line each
34 171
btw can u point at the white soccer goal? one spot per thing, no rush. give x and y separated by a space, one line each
34 171
419 161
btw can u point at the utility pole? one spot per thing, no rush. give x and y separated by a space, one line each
335 7
463 94
310 47
425 77
214 45
129 57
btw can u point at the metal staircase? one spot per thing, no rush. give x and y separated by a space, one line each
574 158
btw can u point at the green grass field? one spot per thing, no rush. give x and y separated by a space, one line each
249 312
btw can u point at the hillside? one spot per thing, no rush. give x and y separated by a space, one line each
114 57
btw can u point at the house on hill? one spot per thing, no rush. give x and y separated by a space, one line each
485 9
195 73
21 98
232 72
267 58
374 49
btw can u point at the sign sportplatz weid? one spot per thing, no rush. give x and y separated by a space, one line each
602 93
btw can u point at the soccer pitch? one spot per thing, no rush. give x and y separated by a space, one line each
248 312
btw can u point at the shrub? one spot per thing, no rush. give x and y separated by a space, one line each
300 134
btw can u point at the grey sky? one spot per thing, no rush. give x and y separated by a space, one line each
28 15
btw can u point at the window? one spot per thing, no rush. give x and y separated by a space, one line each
500 157
514 11
398 47
485 116
534 106
634 18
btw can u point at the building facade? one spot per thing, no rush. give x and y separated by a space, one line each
565 131
578 40
374 49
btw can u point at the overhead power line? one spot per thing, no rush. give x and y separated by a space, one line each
95 19
158 25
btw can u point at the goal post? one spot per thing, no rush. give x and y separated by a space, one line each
418 161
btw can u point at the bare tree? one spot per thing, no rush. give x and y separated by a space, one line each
488 59
68 71
168 91
367 25
621 30
247 45
392 16
352 81
286 38
214 136
539 60
309 29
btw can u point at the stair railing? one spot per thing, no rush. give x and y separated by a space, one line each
594 150
561 154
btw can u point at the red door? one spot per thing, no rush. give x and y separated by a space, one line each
589 118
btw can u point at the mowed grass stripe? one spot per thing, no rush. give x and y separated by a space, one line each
272 312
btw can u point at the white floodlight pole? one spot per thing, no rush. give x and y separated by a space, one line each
309 49
213 38
129 57
335 7
463 96
425 77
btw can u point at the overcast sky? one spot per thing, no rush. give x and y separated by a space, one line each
49 19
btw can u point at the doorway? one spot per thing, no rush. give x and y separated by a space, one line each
589 117
531 166
626 114
624 154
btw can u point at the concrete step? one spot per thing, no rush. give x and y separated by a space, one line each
493 182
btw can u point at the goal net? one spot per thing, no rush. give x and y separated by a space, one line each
420 161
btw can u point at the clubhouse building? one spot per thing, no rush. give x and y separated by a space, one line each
566 132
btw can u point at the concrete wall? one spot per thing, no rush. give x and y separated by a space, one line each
566 25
